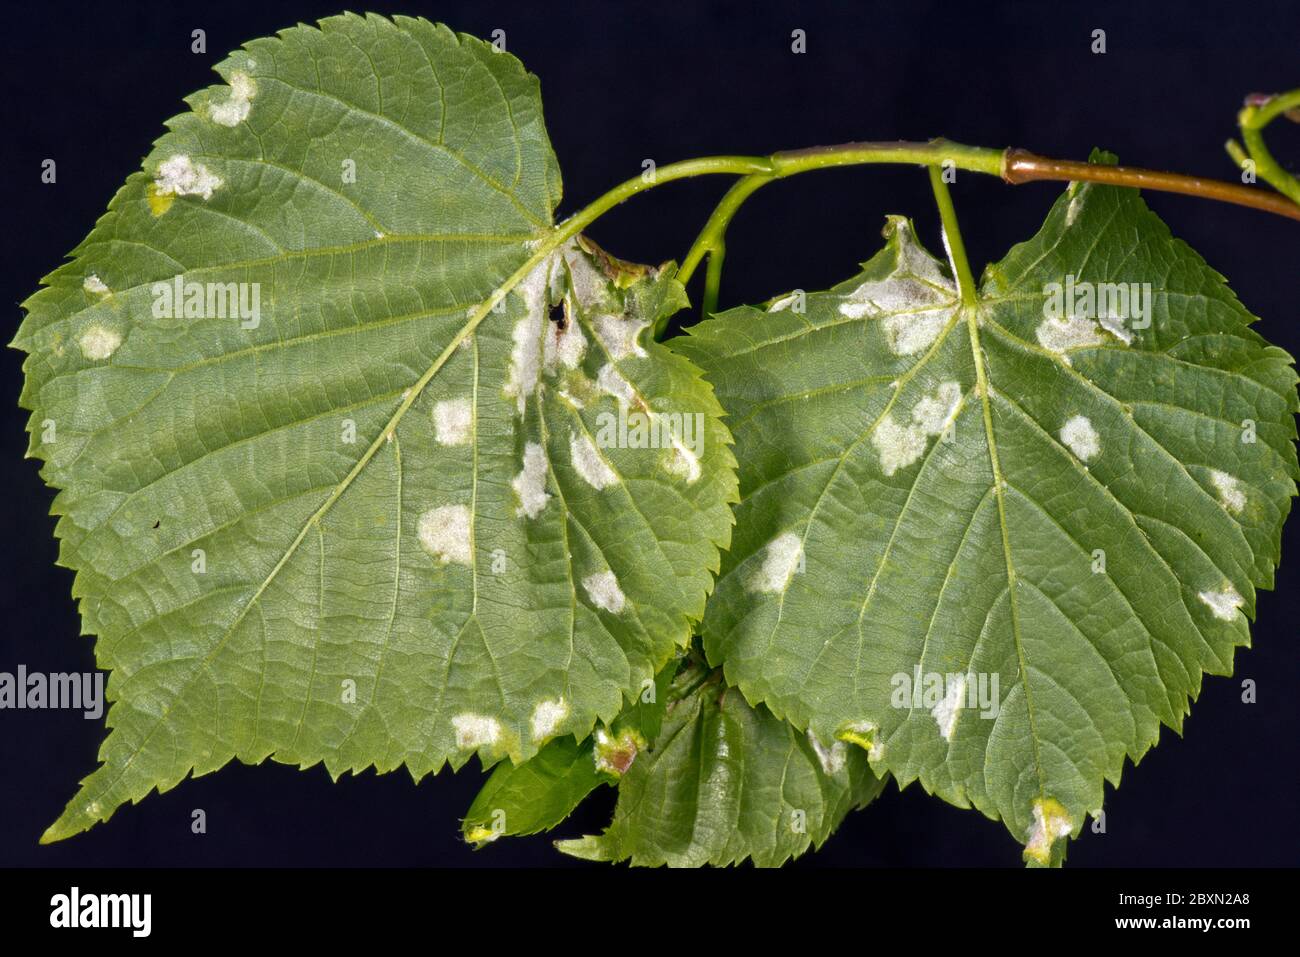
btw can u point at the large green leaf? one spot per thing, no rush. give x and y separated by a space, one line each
345 529
1081 508
726 782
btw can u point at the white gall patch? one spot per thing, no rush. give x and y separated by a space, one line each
1050 824
784 553
475 730
564 347
526 352
682 462
1081 438
452 420
947 711
909 333
1061 335
178 175
832 759
547 717
1231 494
99 342
619 336
445 533
235 109
586 458
1115 326
530 484
610 381
602 588
1223 603
94 285
900 445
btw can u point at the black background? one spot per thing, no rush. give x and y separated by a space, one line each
623 82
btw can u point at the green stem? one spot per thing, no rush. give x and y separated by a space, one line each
713 279
952 238
1267 112
1253 119
1013 166
715 229
791 162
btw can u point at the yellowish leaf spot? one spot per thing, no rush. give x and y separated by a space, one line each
1051 823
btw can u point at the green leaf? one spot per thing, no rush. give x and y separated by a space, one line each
726 782
350 528
533 796
1080 510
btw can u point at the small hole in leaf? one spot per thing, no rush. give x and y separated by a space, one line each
560 316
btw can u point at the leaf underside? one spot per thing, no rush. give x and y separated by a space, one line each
348 530
1082 510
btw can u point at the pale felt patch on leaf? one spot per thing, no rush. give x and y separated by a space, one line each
947 711
833 758
1116 327
235 108
1223 603
178 175
99 342
784 553
475 730
1070 332
530 483
1231 493
899 445
1050 824
546 718
682 462
914 302
604 591
445 533
610 381
590 464
1081 438
452 421
564 348
526 351
620 336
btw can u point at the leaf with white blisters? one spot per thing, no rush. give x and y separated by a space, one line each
329 396
999 544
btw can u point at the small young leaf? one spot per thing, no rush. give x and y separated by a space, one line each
533 796
999 544
726 782
312 516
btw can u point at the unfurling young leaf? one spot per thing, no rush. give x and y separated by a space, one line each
927 487
422 538
726 782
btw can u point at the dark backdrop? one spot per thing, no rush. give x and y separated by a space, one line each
624 82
